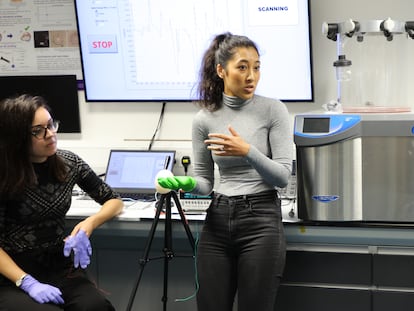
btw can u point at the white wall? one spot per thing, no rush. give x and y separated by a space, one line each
131 125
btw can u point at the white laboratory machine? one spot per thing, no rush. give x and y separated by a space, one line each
353 167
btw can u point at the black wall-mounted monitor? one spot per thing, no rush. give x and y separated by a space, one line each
136 50
60 92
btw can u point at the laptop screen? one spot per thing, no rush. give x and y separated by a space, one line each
134 171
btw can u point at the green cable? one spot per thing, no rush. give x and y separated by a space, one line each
195 269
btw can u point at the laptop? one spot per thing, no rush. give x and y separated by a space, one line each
132 173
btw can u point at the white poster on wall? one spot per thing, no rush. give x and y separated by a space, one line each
39 37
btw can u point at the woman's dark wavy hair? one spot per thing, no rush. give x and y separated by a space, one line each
16 169
221 50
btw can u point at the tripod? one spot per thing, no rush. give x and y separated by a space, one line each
168 252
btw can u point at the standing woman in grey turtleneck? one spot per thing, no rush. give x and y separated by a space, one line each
248 137
242 244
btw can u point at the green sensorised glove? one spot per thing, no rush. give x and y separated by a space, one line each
186 183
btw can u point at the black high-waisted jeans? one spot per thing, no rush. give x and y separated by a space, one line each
241 250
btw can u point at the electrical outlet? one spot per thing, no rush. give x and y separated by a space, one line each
178 166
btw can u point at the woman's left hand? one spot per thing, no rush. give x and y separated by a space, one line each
227 145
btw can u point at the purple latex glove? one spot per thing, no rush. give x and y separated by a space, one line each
81 247
40 292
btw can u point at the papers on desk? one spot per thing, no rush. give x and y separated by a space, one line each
150 214
137 210
133 210
82 207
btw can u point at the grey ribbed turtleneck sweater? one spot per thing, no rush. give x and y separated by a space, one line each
262 122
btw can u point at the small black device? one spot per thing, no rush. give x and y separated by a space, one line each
185 161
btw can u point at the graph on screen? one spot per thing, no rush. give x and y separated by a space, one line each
152 50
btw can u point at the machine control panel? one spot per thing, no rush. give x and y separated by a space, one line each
323 125
323 129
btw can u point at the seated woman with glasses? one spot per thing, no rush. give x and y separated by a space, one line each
40 267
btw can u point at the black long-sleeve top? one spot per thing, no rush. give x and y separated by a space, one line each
36 221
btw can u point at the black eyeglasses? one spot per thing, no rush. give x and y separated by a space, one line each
40 132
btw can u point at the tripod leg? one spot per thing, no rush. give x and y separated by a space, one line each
144 259
184 220
168 252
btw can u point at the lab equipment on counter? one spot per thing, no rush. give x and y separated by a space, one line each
372 71
355 167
